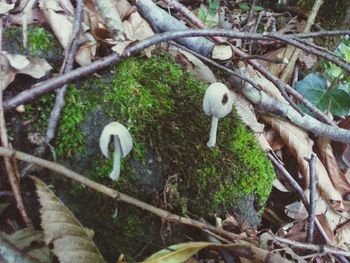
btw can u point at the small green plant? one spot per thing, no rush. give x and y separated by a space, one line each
245 7
329 91
208 16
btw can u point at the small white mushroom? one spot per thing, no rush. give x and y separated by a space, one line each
217 103
122 145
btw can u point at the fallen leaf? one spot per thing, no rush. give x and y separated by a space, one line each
108 10
307 60
7 73
71 242
342 237
278 55
177 253
35 67
246 113
31 241
60 15
16 61
300 145
328 159
5 7
274 140
193 64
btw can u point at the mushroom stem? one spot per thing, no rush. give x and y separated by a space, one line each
116 160
213 129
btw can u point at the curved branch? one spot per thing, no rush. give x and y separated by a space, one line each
306 121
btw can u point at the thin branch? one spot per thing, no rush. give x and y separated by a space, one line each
267 103
299 191
60 169
191 17
312 210
216 64
67 66
56 82
334 33
312 247
11 169
70 55
307 122
303 198
287 71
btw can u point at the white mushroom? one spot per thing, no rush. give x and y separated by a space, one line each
122 145
217 103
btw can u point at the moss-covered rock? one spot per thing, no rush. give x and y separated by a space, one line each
41 43
161 105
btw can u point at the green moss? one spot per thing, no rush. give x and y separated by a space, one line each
162 107
41 43
40 40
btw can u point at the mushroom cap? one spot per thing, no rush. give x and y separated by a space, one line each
120 133
217 100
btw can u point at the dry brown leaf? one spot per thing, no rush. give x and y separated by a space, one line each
108 10
246 112
71 242
274 140
337 176
60 15
300 145
135 28
342 237
193 64
35 67
279 54
293 26
36 16
124 8
31 241
7 73
17 61
307 60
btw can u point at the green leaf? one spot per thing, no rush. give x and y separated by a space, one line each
258 8
334 71
346 52
214 5
244 7
314 88
202 15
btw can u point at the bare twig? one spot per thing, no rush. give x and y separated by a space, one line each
191 17
312 210
45 87
67 65
307 122
299 191
312 247
115 194
272 105
218 65
10 169
295 76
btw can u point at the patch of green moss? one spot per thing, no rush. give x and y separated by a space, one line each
161 105
41 43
